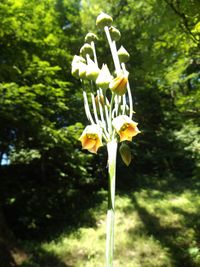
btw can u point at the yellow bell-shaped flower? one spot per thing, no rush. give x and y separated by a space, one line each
91 138
125 127
119 84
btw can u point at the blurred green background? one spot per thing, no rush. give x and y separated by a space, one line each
53 195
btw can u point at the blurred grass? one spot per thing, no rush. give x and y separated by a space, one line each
154 228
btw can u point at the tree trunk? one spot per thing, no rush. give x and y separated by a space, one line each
7 242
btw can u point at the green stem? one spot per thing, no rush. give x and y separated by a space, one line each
112 155
110 113
113 50
129 94
94 52
87 108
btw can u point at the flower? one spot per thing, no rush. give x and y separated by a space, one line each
99 100
86 49
91 138
104 77
125 127
77 60
90 37
75 70
119 84
115 33
92 70
103 20
82 70
123 54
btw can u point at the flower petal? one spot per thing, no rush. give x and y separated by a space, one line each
88 143
91 138
125 127
119 84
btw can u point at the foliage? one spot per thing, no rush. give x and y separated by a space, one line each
40 102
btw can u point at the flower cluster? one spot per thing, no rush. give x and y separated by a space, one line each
108 106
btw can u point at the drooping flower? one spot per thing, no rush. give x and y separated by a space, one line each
86 49
92 70
99 100
82 70
114 33
119 84
125 127
104 78
103 20
90 37
75 70
91 138
123 54
77 60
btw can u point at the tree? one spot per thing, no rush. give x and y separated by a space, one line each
38 102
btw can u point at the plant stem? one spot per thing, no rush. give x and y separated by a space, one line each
129 94
110 113
113 50
112 155
94 52
87 108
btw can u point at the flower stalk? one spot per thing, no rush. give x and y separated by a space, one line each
109 110
113 50
112 155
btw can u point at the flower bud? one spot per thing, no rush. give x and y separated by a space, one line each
103 20
77 59
123 54
75 70
82 70
75 65
125 153
86 49
99 100
119 84
90 37
115 33
104 78
92 70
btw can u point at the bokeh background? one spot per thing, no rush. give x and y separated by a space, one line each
53 195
